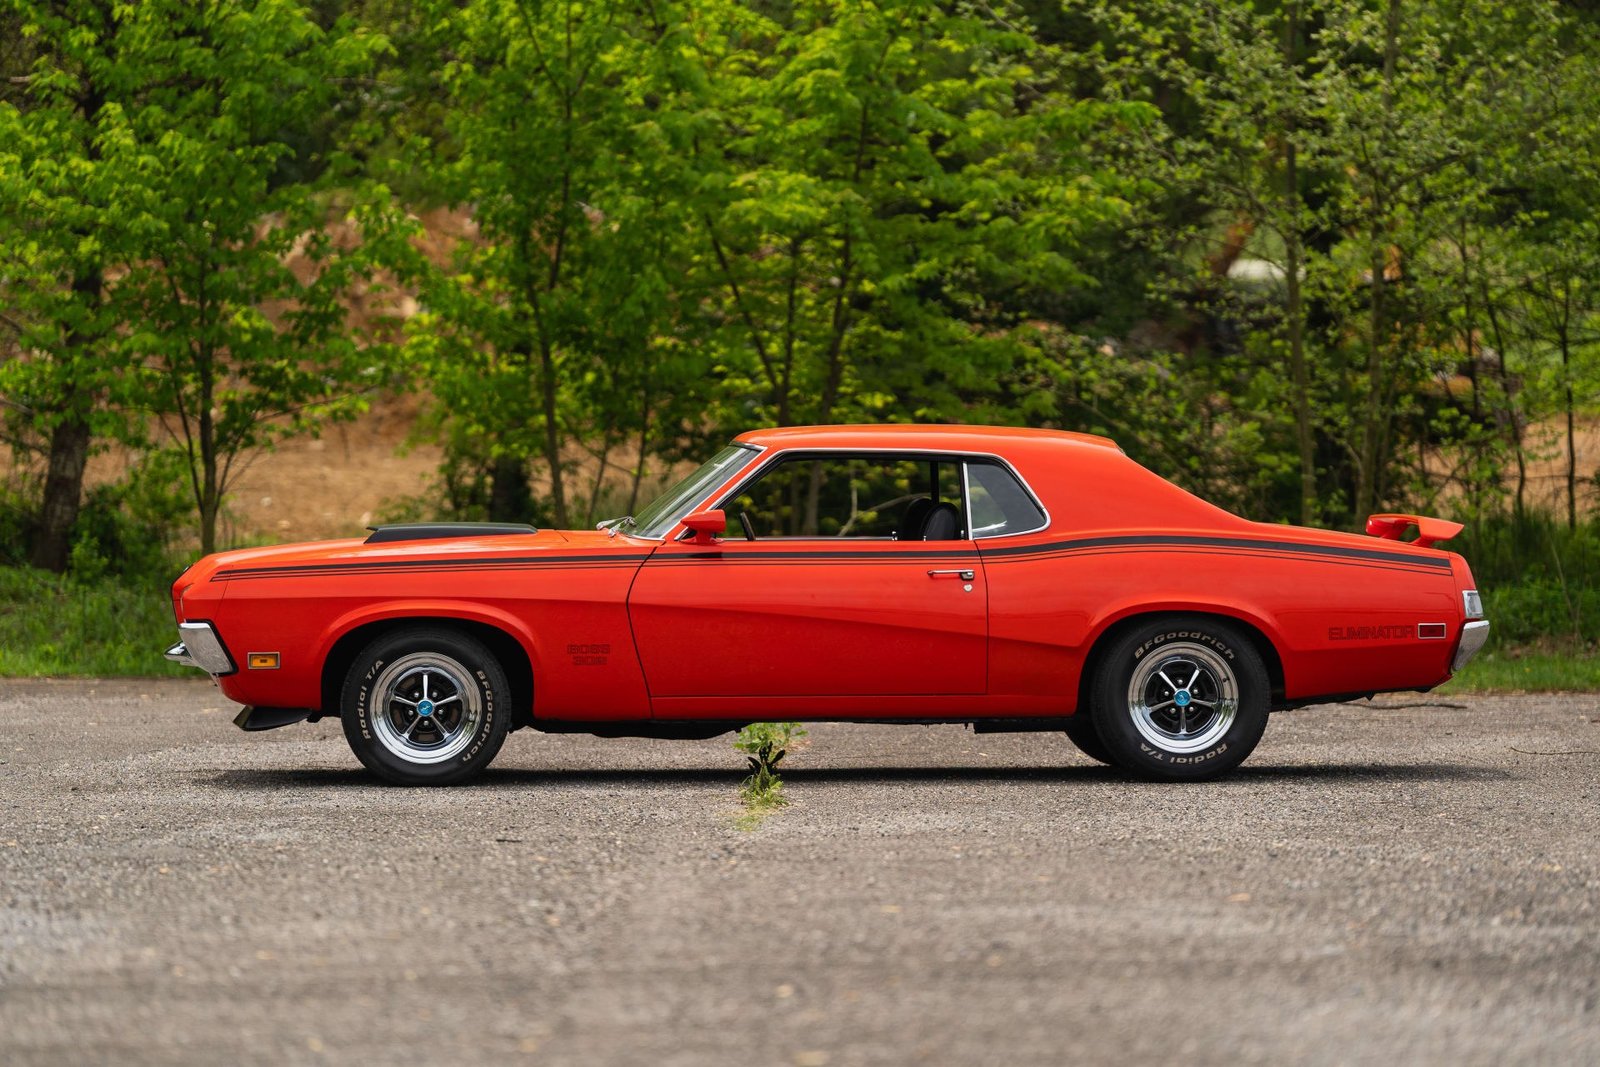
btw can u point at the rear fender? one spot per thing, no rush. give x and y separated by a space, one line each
1250 617
1261 622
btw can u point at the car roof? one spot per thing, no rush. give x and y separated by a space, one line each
954 438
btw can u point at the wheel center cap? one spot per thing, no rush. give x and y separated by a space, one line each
1181 698
425 708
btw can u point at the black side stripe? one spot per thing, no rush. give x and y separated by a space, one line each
494 563
1249 553
1007 552
999 554
871 555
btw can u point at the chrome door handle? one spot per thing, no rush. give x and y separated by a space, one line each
965 576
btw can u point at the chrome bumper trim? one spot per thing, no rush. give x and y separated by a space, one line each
1473 635
201 647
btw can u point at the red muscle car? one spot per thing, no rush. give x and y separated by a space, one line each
1010 579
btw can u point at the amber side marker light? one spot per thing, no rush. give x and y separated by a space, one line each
263 661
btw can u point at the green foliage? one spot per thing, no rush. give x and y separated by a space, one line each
127 528
153 215
52 625
554 325
764 745
1345 180
883 173
1527 672
1540 579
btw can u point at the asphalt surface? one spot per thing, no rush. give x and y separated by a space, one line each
1377 883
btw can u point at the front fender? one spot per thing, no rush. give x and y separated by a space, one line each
428 608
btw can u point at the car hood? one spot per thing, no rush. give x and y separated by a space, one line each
312 554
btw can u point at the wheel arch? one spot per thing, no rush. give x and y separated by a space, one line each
1113 628
510 650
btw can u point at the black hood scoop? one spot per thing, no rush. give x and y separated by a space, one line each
430 531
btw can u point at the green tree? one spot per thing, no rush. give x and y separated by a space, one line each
1351 147
565 135
883 176
241 345
1239 92
158 217
61 236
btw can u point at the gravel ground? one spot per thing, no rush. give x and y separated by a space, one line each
1377 883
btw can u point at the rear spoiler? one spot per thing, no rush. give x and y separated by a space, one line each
1430 532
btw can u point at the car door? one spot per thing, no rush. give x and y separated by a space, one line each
833 598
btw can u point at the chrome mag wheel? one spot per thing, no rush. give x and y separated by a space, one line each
1183 697
425 707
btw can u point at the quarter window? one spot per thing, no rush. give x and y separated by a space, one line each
1000 505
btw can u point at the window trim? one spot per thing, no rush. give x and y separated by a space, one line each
699 505
1027 489
963 459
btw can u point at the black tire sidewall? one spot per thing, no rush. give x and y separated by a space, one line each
1114 722
1085 737
485 672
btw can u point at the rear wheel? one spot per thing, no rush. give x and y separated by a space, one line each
425 706
1181 699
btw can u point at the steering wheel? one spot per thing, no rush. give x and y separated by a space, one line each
749 530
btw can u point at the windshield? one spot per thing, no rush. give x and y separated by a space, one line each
662 513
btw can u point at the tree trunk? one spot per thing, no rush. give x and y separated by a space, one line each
1566 378
63 493
644 441
1512 415
1375 418
69 445
509 497
1299 375
1572 457
552 434
1305 436
210 491
1366 501
599 478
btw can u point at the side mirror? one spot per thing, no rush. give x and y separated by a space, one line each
706 525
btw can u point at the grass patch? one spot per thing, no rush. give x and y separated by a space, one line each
1530 672
757 806
51 625
764 745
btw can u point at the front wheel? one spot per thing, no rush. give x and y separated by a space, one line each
425 705
1181 699
1081 732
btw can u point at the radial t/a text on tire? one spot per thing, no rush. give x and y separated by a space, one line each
425 705
1181 698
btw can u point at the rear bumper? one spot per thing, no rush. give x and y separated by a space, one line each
1473 635
201 647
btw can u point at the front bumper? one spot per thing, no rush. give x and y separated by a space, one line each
201 647
254 718
1473 635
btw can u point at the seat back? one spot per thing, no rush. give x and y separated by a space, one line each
942 523
910 528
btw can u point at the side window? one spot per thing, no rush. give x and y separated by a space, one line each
868 496
1000 505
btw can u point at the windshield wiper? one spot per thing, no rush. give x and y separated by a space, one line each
611 526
